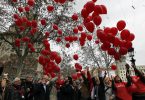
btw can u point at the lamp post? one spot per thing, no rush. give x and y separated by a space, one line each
131 55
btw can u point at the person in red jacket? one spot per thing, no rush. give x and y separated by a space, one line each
139 81
121 89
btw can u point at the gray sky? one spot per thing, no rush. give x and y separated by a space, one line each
132 11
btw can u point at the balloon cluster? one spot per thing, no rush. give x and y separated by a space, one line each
91 14
116 41
49 60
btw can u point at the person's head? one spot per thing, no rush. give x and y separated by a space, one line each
17 81
117 79
108 81
29 78
44 79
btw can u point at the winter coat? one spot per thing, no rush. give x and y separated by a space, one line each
66 92
28 90
42 93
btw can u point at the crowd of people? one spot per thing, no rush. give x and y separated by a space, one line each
87 87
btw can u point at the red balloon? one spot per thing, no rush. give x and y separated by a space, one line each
20 9
83 35
78 67
97 20
16 16
89 37
116 42
41 60
31 2
75 56
75 17
26 39
103 47
113 67
87 20
125 34
94 14
104 9
58 59
94 0
53 74
107 30
28 24
114 31
50 8
90 6
58 39
32 49
55 27
97 41
123 51
47 34
102 36
34 23
122 43
84 13
43 22
45 52
14 1
111 51
110 38
117 56
67 45
57 69
90 27
74 76
27 8
62 1
98 9
59 31
75 30
79 74
56 1
121 25
131 37
80 27
128 45
107 45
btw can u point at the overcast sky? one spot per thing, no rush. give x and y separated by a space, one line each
132 11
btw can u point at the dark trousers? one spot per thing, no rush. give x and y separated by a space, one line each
138 97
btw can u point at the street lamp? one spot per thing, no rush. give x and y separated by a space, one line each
131 55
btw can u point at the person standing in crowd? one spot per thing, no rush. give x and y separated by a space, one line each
67 91
121 89
98 91
77 92
139 81
4 87
16 92
109 94
28 88
42 91
85 88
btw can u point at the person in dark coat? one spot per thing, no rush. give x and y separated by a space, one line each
77 92
28 88
42 90
67 91
16 92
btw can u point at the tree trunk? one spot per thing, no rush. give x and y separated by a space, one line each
20 66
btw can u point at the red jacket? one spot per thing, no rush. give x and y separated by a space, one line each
139 84
122 91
